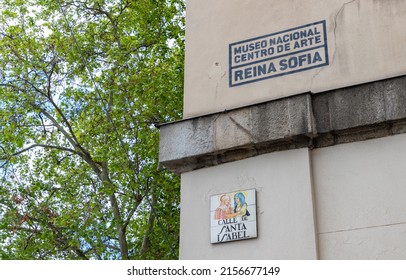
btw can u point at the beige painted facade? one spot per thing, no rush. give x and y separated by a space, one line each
322 190
360 191
285 219
339 202
365 42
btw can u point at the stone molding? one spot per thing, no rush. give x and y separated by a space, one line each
356 113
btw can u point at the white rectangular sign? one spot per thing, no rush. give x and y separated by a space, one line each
281 53
233 216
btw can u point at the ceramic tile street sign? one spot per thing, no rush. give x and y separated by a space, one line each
233 216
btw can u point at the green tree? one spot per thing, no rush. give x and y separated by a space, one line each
82 85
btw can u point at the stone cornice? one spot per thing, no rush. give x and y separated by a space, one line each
357 113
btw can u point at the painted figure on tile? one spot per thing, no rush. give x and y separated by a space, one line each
240 206
224 210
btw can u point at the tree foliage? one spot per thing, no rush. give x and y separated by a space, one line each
82 85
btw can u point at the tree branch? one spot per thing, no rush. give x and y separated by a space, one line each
39 145
65 120
55 122
31 230
132 211
78 149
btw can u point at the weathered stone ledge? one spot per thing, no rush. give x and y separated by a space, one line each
345 115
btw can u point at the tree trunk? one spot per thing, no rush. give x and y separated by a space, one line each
122 239
151 219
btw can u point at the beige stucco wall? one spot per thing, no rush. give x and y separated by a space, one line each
365 39
340 202
286 227
360 192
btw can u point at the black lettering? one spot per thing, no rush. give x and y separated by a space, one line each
303 58
317 57
223 228
283 64
248 73
238 75
237 50
250 56
252 47
271 68
261 69
184 271
292 62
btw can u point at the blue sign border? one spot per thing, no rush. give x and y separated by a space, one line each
323 22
